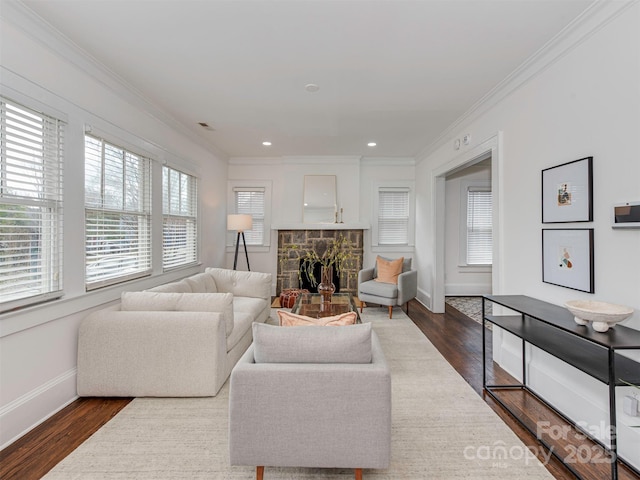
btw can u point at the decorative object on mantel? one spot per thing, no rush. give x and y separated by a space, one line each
603 315
240 223
567 192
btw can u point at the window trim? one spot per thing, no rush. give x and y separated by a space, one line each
195 217
53 203
462 236
232 185
409 246
145 214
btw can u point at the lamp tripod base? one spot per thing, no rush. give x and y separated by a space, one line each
246 254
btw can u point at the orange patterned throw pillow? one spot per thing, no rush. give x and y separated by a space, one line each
288 319
388 270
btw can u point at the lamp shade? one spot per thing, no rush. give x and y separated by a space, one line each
240 223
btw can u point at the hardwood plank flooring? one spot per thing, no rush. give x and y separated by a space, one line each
458 338
37 452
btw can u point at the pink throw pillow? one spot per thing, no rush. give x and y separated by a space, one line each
388 270
288 319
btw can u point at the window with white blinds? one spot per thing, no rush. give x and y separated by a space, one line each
479 226
31 152
117 214
393 216
179 218
251 201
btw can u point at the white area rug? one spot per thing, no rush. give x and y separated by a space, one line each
441 429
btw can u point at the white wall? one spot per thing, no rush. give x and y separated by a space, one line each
461 279
586 102
356 180
38 345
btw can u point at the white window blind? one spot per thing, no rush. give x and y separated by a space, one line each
117 214
179 218
251 201
479 226
31 148
393 216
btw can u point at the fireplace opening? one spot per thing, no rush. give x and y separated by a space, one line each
305 282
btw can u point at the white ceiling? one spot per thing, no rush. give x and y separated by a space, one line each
391 71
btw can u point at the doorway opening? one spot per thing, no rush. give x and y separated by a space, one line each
447 258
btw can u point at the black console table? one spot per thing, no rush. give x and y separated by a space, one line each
552 328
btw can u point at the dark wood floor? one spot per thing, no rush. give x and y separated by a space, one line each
457 337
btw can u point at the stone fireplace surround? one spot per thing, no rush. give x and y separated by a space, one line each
311 239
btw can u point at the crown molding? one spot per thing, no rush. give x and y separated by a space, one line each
18 14
321 159
297 160
255 161
326 160
583 27
388 161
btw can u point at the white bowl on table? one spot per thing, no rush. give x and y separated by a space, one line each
603 315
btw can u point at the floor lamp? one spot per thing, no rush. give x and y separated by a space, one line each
240 223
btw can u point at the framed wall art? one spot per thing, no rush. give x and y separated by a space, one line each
567 192
567 258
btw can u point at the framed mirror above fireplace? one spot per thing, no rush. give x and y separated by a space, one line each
319 199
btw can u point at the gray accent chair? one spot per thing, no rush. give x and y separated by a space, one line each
313 397
379 293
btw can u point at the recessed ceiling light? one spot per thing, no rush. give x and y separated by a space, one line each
311 87
266 144
371 144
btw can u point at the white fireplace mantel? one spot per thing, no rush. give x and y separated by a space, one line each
320 226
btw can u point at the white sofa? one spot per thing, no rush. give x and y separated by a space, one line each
179 339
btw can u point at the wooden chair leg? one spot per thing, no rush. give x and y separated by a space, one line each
358 474
259 473
390 310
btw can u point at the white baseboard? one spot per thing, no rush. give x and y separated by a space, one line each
420 302
508 356
467 289
31 409
424 298
575 394
585 401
